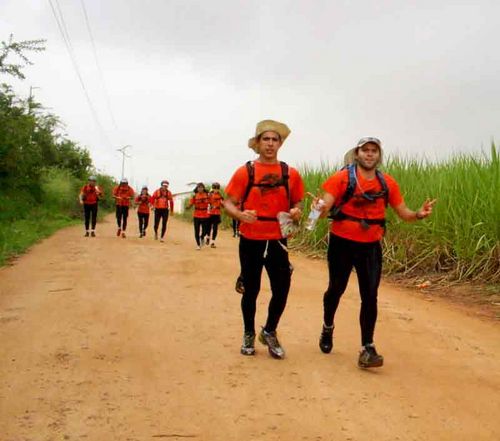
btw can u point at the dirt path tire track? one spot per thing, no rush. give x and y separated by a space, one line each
131 339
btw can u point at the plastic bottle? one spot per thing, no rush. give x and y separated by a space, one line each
314 214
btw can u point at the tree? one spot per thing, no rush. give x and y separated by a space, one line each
18 48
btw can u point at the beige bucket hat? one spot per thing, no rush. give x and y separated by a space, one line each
350 156
268 125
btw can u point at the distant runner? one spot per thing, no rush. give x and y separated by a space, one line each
216 200
265 187
123 194
201 218
89 198
143 203
359 195
163 204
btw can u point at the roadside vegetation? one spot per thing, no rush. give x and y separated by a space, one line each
41 171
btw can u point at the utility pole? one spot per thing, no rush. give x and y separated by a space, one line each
122 151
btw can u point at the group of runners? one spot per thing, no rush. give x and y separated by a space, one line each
207 209
355 199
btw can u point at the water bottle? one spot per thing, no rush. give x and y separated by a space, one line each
314 214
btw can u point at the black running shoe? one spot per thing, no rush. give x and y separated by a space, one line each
369 358
92 234
326 340
87 234
270 339
248 346
239 288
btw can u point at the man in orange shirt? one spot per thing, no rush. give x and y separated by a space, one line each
122 194
265 188
359 194
89 197
215 200
143 202
163 202
201 216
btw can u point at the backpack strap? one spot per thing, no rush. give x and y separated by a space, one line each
251 181
383 183
285 177
349 192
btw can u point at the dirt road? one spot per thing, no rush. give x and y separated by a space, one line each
130 339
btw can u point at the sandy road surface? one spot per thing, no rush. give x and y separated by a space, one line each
113 339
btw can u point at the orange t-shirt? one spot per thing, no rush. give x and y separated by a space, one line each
359 207
268 202
142 202
90 194
215 203
200 202
123 193
162 200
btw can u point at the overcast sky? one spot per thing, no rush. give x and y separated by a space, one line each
185 82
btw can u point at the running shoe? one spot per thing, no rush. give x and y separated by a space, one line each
118 232
124 235
239 288
162 240
207 241
248 346
270 339
87 234
369 358
92 234
326 340
212 245
198 248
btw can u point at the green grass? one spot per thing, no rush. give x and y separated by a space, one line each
26 218
17 236
461 241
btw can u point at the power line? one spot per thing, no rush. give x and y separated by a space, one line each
61 24
98 65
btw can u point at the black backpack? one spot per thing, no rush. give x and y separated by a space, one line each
283 182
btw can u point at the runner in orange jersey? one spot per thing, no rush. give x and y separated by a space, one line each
163 202
89 198
201 217
265 188
215 200
143 204
360 195
123 194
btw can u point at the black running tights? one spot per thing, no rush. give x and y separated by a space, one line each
143 221
252 259
90 213
122 216
201 229
161 214
366 258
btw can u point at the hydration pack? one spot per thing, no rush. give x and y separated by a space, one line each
336 212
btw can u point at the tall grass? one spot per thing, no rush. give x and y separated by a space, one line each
460 241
